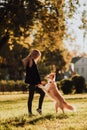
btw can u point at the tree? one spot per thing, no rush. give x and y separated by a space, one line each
29 18
11 61
35 24
3 40
34 19
76 14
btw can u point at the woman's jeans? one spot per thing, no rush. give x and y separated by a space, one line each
32 90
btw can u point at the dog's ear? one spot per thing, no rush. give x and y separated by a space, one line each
47 76
50 75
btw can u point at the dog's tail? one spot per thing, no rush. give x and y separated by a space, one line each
69 107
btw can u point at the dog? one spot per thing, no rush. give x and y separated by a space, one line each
52 91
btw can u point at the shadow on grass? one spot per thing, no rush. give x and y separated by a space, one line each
35 120
47 117
25 120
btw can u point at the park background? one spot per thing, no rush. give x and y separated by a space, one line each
58 29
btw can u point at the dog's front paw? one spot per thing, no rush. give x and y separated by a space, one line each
40 86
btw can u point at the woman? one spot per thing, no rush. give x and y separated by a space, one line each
33 79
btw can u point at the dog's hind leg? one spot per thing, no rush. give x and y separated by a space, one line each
63 110
62 107
56 106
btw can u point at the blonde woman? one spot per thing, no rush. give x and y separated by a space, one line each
33 79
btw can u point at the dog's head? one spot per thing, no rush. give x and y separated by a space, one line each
51 76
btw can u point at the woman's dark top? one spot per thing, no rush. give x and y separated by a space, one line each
32 74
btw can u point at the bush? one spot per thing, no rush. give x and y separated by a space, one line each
79 83
11 85
86 87
66 86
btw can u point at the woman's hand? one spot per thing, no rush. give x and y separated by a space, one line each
40 86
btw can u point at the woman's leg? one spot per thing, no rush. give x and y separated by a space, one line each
30 98
41 98
56 106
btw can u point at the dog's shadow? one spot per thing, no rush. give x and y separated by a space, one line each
62 116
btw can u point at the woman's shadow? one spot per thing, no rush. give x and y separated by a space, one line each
33 120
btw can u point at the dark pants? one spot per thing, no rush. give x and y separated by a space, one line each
33 89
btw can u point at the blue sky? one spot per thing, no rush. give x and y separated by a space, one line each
73 25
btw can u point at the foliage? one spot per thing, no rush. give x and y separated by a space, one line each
43 70
11 86
41 19
57 57
34 24
3 40
79 83
66 86
11 61
86 87
29 19
71 12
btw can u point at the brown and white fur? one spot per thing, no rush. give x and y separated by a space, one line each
51 90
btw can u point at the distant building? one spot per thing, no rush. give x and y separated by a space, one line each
70 72
80 66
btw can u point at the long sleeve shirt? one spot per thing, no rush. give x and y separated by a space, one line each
32 74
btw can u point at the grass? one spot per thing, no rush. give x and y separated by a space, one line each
14 115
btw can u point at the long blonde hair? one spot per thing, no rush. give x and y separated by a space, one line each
34 54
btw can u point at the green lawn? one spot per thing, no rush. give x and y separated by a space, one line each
14 115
